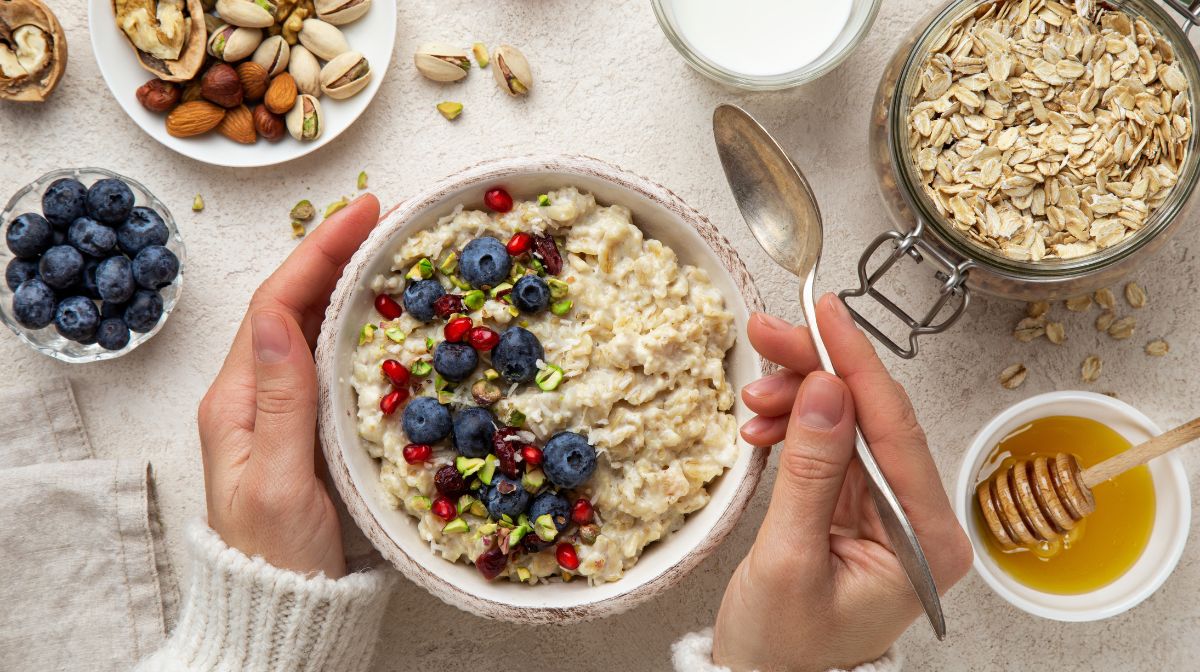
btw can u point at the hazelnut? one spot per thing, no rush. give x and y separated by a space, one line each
254 80
191 91
268 125
221 85
158 96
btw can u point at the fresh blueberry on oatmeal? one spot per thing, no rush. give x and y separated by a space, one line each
455 361
506 497
517 355
419 298
570 460
473 431
531 294
485 262
554 505
426 421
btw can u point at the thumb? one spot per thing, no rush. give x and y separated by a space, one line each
285 395
812 465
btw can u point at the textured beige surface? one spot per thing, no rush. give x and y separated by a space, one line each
607 84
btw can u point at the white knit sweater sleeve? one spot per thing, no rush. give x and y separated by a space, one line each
240 613
693 653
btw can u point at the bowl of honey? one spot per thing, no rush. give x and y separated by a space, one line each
1116 557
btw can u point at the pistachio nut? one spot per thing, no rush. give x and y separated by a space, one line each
273 55
233 43
512 70
247 13
442 62
305 69
305 120
324 40
341 12
345 75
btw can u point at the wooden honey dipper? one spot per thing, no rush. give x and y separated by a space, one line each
1042 499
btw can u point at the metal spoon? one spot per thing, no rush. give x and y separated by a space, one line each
782 212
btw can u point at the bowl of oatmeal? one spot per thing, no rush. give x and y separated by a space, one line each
528 385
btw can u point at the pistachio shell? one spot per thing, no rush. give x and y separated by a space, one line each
341 12
232 43
345 75
305 69
244 13
323 40
305 121
273 55
442 62
512 70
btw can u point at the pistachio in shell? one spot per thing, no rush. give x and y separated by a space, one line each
305 69
273 55
341 12
345 75
325 41
442 62
305 121
33 51
512 70
137 27
246 14
233 43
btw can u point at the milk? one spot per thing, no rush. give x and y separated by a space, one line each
760 38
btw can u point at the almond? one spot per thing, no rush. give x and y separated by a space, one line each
281 95
254 80
194 118
238 125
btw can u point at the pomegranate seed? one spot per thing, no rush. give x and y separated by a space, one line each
444 508
581 512
483 338
456 329
491 563
498 200
448 304
532 455
519 244
449 482
392 400
417 452
566 556
388 307
396 372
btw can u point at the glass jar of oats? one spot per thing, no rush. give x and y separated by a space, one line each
1032 149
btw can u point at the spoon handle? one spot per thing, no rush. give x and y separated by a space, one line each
899 529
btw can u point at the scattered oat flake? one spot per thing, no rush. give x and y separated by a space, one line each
1029 329
1091 369
1013 377
1105 320
1135 295
1122 328
1056 333
1158 348
1037 308
1106 299
1079 304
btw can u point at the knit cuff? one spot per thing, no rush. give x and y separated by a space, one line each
693 653
241 613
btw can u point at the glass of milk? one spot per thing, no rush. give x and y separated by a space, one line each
765 44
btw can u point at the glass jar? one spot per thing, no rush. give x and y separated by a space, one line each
962 266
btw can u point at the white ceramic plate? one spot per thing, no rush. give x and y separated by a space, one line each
374 35
661 215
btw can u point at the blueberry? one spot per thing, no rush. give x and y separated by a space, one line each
143 311
112 334
61 266
419 297
505 497
554 505
77 318
64 201
112 310
18 271
568 460
426 421
114 279
531 294
29 235
87 281
110 201
143 228
484 262
517 354
155 266
455 361
91 237
473 431
33 304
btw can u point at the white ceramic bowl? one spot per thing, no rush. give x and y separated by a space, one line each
661 215
1167 538
374 35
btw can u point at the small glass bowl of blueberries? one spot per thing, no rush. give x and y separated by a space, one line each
93 264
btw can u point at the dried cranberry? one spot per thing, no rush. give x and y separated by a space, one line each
531 454
519 244
498 200
582 512
531 543
566 556
448 304
449 482
417 452
545 248
456 329
483 338
444 508
491 562
392 400
396 372
387 307
506 452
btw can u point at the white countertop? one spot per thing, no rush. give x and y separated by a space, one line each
609 85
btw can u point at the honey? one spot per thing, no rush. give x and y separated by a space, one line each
1109 541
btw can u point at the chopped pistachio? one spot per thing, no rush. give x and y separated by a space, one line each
524 574
475 484
491 374
512 310
420 368
548 378
524 323
464 504
362 180
449 264
456 526
468 466
522 519
440 384
429 343
298 229
533 480
505 518
536 265
518 270
450 109
543 200
478 509
197 203
488 470
304 211
488 528
558 288
459 282
335 206
481 54
366 334
516 419
563 307
498 289
517 535
445 397
422 270
394 334
474 299
419 503
545 528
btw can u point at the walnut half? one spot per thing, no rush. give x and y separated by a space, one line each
33 51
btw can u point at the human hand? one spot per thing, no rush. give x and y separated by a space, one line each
821 587
258 420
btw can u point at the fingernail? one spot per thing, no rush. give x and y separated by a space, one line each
772 322
837 306
821 402
756 425
765 387
272 341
